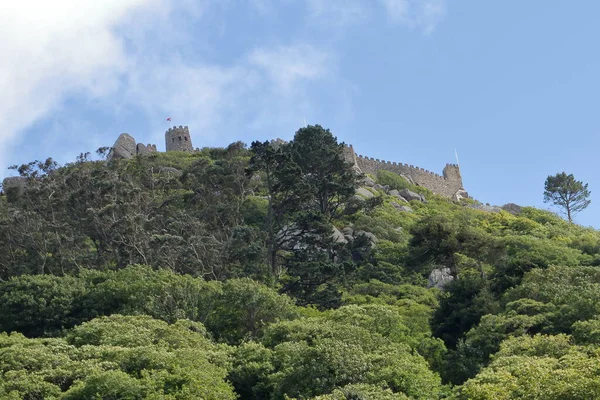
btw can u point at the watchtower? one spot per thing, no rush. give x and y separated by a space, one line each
178 139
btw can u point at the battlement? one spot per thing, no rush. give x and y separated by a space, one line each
181 129
178 139
447 184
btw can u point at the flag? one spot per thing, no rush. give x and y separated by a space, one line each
169 119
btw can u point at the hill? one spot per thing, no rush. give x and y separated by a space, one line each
277 270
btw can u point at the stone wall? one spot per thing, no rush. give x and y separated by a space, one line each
447 185
178 139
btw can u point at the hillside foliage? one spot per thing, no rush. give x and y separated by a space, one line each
256 272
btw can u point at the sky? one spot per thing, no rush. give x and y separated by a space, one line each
512 86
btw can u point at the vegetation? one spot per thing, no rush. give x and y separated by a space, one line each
257 273
565 191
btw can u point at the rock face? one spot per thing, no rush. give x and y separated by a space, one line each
461 194
401 207
410 195
364 192
513 208
367 181
348 233
338 236
396 194
169 171
409 178
486 207
124 147
372 238
439 278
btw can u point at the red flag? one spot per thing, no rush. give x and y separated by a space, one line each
169 119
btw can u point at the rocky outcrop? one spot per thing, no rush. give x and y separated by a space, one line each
513 208
169 171
338 236
410 195
395 193
461 194
368 181
400 207
486 208
364 193
372 238
409 179
125 147
439 278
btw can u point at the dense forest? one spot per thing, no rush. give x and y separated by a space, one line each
277 271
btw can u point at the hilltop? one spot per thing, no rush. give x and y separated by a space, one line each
291 269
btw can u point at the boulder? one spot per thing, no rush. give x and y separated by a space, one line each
461 194
401 207
368 181
364 193
396 194
348 232
124 147
512 208
485 207
439 278
410 195
338 236
169 171
372 238
409 179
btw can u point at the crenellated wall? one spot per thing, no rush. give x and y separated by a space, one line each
446 185
178 139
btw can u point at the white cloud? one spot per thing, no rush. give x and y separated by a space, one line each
109 50
287 65
422 14
113 52
53 48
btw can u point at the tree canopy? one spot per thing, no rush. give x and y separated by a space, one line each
262 272
565 191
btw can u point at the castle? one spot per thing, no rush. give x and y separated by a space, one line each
176 139
448 185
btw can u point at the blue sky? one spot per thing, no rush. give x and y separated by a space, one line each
512 85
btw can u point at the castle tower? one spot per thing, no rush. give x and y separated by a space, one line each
452 173
178 139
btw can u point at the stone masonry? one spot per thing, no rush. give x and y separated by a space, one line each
178 139
449 185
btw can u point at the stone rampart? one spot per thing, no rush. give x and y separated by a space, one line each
446 185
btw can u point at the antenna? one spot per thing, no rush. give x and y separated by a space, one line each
456 154
305 122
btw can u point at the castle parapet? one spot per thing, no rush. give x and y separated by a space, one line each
446 185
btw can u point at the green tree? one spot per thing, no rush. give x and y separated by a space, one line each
565 191
539 367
